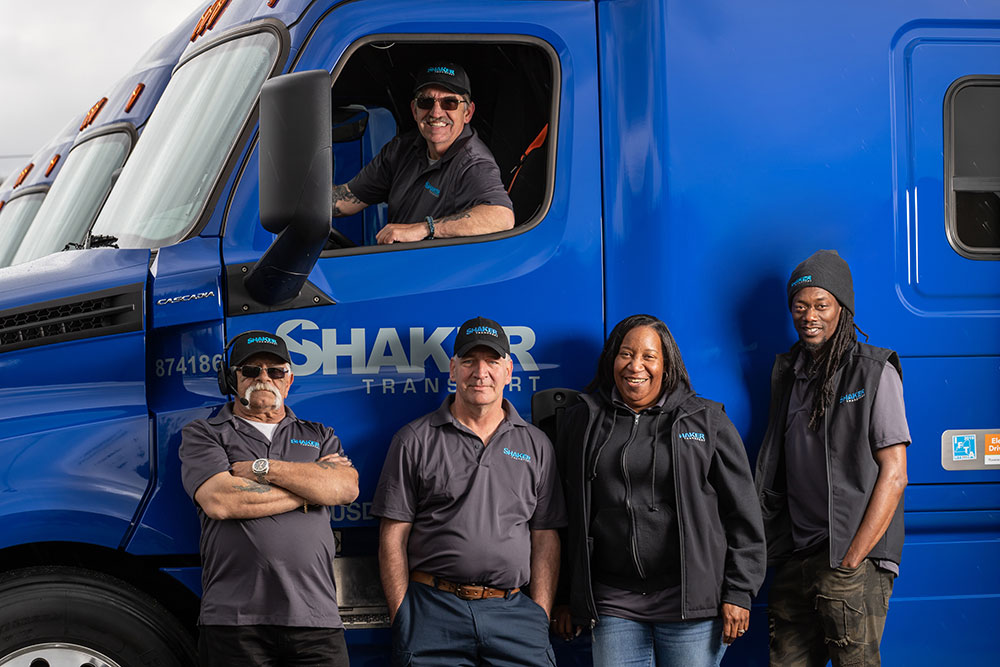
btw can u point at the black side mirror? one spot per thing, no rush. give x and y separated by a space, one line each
296 182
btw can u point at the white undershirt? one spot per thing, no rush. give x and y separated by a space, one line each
263 427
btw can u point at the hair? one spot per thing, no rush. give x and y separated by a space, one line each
674 372
825 367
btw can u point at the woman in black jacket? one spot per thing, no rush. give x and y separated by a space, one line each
665 544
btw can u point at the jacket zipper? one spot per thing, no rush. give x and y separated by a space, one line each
628 498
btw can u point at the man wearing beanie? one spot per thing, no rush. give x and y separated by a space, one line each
440 180
830 478
470 502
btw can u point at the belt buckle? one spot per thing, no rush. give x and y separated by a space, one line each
470 591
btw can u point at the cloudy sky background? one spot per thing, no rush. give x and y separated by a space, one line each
58 57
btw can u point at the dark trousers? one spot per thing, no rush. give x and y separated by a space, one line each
271 646
435 628
818 613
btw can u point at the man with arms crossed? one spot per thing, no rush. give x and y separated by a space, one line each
263 481
439 180
830 478
470 502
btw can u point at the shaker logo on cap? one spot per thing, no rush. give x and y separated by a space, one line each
261 339
803 279
481 330
441 70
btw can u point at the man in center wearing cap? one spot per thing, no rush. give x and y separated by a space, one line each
830 478
470 501
440 180
263 481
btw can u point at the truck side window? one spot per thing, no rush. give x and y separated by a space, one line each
972 166
514 87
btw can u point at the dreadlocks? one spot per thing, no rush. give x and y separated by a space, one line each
825 367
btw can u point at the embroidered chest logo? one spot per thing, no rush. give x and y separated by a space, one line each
431 189
307 443
853 396
692 435
516 455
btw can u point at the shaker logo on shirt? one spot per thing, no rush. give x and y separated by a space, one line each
307 443
433 190
516 455
691 435
853 396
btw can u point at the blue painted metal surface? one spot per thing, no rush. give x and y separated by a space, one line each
702 150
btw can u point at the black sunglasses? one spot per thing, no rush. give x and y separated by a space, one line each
251 372
447 103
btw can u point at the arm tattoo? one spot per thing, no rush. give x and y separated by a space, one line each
457 216
341 193
252 487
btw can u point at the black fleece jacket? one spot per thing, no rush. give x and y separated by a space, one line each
722 550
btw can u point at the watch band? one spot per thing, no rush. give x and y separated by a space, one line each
430 227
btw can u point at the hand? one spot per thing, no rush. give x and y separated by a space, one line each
849 563
562 624
401 232
336 459
243 469
735 622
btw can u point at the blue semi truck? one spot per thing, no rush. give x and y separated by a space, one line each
687 156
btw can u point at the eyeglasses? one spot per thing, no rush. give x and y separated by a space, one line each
250 372
447 103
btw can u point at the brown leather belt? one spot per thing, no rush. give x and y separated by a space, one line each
464 591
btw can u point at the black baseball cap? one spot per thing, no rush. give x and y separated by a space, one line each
447 75
250 343
481 331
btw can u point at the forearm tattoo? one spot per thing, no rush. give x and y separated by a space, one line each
457 216
329 465
252 487
341 193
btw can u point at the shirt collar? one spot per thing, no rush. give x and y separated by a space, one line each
420 144
443 415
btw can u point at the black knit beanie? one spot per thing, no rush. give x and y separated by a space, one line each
826 269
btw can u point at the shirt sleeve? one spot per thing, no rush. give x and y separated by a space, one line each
202 456
331 443
888 425
373 182
480 184
395 496
550 506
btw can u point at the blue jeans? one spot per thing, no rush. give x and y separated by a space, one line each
618 642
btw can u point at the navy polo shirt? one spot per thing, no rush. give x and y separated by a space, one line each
275 570
401 174
472 506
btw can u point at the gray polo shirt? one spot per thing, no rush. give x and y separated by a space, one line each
808 489
276 570
471 506
465 176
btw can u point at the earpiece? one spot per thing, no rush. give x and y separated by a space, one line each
226 375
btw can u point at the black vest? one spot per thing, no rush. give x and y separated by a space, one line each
850 458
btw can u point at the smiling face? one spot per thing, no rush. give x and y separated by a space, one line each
439 127
639 368
815 313
480 377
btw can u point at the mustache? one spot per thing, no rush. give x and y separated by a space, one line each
261 386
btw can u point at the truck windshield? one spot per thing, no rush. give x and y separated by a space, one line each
14 220
75 197
187 140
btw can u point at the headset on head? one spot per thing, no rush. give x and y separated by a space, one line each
226 375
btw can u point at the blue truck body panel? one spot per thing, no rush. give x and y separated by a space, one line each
696 153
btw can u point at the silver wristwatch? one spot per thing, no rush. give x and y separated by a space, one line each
260 468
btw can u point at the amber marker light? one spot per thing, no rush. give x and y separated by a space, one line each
209 18
134 97
92 114
24 174
52 164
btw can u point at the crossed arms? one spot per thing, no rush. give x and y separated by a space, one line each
236 494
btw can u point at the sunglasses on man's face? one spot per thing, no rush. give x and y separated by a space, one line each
447 103
250 372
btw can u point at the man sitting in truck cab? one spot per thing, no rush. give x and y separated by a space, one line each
439 180
263 481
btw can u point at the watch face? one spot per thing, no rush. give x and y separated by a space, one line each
260 466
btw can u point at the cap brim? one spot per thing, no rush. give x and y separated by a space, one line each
468 347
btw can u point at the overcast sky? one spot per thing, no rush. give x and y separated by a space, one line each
58 57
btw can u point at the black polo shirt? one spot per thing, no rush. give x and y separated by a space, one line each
276 570
465 176
472 506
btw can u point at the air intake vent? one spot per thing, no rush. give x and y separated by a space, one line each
96 314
